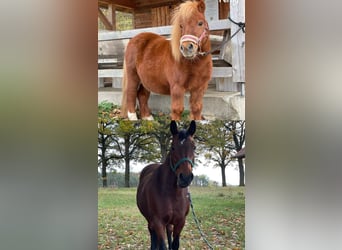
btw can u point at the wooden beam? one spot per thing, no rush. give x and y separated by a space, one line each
128 34
104 20
155 4
111 15
122 3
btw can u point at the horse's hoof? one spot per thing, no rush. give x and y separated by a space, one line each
148 118
132 116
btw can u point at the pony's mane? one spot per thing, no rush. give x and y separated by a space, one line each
182 12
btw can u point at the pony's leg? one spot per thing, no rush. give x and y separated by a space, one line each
143 95
177 103
131 91
196 104
176 234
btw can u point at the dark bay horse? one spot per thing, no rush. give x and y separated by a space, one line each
162 191
169 67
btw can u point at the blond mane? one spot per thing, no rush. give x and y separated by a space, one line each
182 12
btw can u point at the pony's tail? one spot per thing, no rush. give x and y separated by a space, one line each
124 92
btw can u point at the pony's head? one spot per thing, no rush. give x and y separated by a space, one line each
182 153
190 30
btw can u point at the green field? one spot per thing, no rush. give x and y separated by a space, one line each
221 212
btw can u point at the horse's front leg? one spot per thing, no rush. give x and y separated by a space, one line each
154 242
143 95
176 234
177 102
196 104
169 229
158 236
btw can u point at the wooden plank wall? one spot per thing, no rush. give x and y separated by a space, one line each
153 13
223 10
142 18
156 13
161 16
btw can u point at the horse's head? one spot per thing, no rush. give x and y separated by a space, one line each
190 29
182 153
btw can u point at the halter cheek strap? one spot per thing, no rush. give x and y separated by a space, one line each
174 167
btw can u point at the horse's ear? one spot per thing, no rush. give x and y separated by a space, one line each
173 127
192 128
201 6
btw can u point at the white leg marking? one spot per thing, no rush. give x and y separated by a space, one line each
132 116
148 118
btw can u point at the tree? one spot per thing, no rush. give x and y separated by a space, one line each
132 141
200 180
237 128
161 133
106 113
218 141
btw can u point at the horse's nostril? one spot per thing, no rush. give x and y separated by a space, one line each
190 47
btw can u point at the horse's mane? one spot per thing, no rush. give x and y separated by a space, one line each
182 12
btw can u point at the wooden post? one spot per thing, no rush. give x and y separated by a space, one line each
104 20
111 15
237 14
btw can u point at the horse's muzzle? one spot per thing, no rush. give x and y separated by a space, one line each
189 49
184 180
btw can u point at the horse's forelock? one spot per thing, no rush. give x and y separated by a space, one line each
183 12
183 135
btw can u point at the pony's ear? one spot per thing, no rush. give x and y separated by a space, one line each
192 128
201 6
173 127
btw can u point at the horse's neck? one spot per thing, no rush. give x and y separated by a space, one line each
167 176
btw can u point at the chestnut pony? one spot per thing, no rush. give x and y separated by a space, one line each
169 67
162 191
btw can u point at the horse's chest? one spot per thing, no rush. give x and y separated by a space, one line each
175 212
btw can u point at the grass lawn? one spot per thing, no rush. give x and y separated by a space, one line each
221 212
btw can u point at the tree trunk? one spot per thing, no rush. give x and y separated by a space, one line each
163 150
127 172
164 143
104 173
127 161
223 173
242 173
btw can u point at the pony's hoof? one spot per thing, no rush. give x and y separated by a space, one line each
148 118
132 116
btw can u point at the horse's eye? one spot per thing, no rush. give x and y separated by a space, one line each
200 23
181 26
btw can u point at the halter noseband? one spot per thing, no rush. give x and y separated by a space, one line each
194 39
174 167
